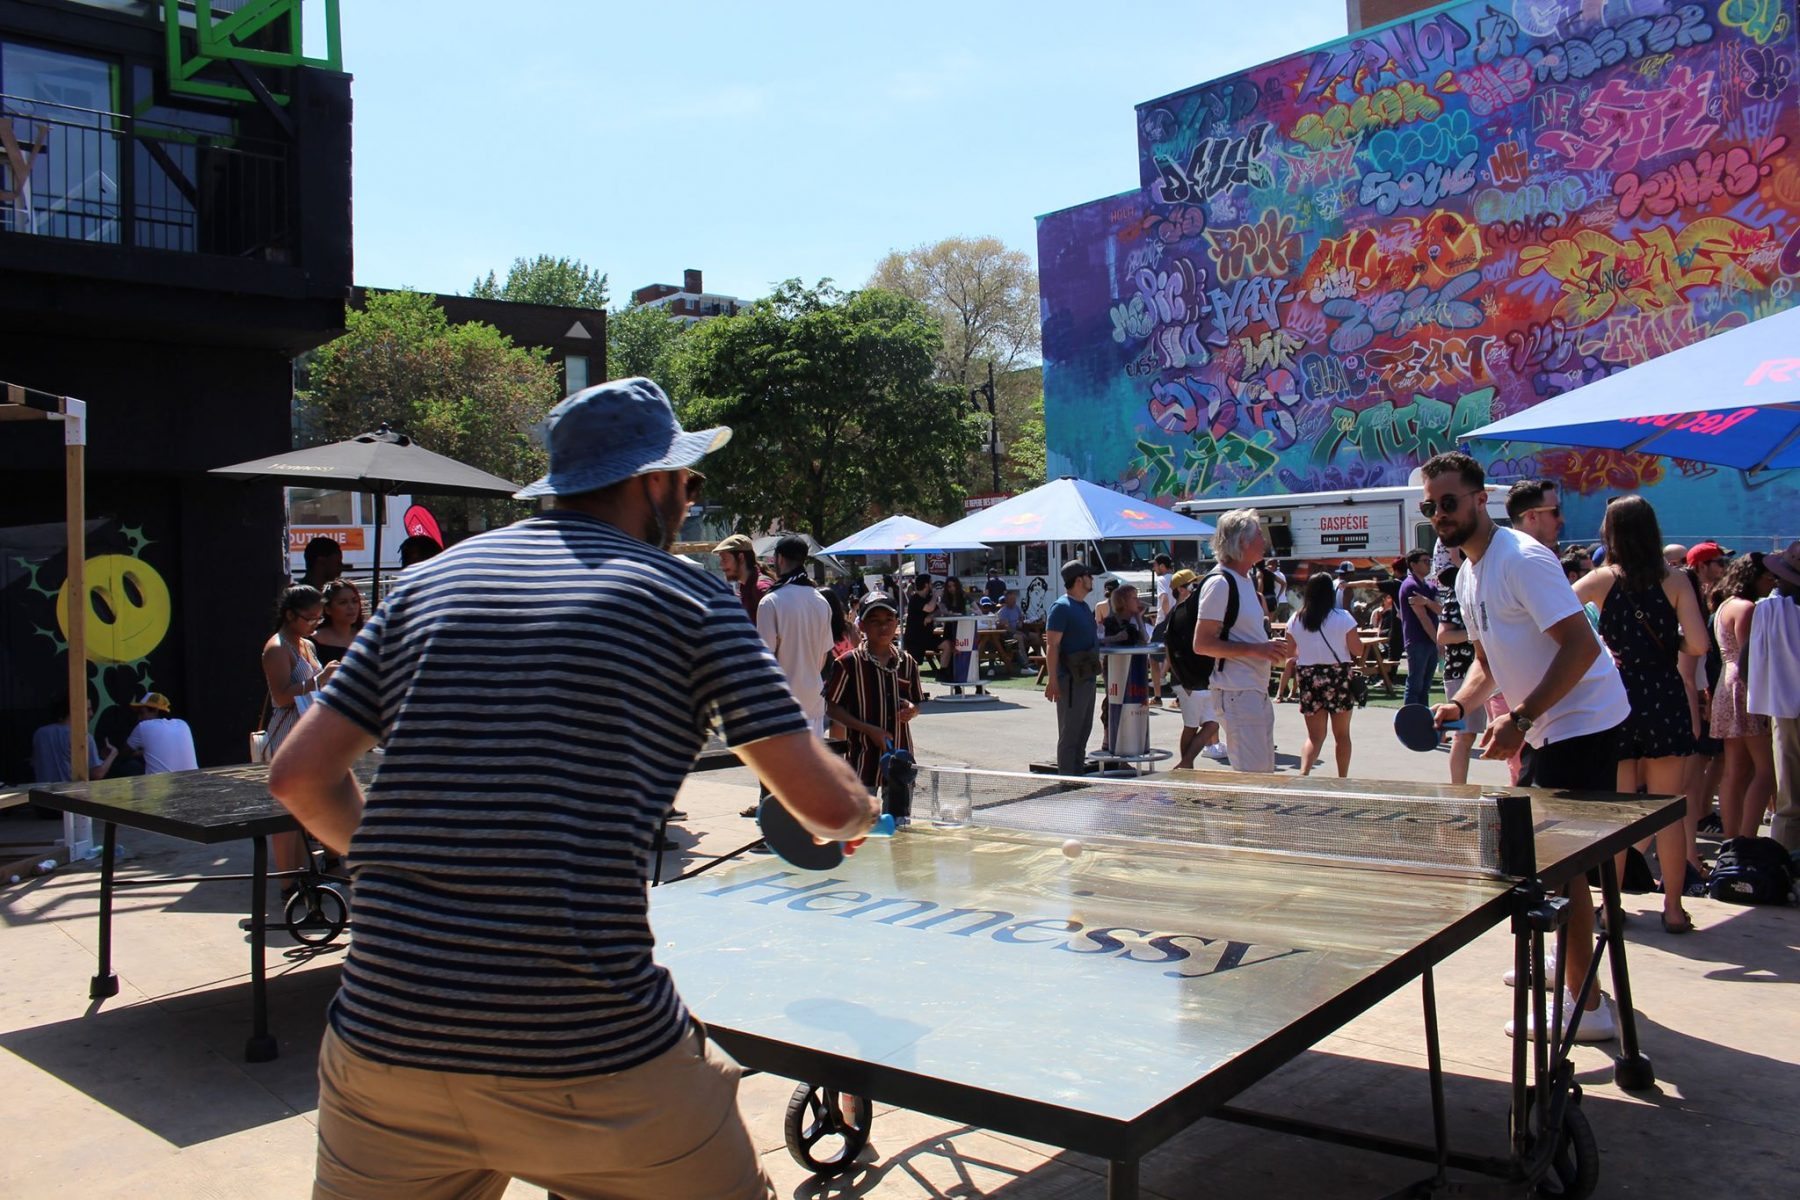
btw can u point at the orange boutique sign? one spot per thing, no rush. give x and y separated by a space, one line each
350 537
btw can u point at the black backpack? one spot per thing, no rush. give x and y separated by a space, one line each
1194 671
1753 870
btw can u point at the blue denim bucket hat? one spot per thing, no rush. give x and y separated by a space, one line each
613 431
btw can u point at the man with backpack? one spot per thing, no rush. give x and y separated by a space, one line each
1189 672
1232 628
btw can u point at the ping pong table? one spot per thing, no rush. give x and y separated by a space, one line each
1222 927
213 806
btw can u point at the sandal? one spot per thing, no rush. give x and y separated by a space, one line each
1686 924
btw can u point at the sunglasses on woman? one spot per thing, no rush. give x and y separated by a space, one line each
1449 504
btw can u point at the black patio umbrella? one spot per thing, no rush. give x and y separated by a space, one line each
383 463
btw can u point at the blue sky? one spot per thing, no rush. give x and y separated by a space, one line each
756 141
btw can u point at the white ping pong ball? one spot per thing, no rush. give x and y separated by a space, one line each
1072 848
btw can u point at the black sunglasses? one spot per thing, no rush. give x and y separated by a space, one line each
1429 508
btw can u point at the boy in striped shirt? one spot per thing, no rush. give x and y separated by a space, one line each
874 691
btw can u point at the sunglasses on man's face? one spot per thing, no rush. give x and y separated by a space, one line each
1555 510
1449 504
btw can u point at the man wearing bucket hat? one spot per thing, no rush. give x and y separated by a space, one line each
540 691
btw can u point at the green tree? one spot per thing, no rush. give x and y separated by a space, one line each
641 340
834 405
985 296
1025 453
545 280
461 390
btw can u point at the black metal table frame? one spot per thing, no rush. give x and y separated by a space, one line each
1544 1089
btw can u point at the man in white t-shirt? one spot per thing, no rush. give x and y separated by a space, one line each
1162 569
1240 682
166 742
1534 643
796 622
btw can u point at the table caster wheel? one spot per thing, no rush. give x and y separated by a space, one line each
819 1136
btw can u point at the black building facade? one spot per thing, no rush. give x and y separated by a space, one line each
165 252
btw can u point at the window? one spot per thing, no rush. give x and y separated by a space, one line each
319 506
575 373
59 108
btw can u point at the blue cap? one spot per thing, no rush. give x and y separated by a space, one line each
613 431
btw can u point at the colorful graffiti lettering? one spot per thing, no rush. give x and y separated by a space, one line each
1654 269
1622 127
1386 432
1338 263
1397 105
1267 247
1758 20
1698 180
1216 164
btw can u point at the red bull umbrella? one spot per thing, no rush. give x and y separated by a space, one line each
1065 510
1732 400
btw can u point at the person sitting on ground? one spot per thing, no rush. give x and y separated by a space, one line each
51 758
1326 648
324 562
417 549
1199 721
165 741
875 691
344 617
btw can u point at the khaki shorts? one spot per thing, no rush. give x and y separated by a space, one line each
667 1129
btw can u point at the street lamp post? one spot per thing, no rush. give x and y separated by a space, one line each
977 394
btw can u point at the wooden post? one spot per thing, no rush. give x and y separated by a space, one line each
78 833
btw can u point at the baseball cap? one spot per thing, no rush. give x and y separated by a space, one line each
1074 569
1345 567
613 431
155 700
875 600
1705 552
1182 578
737 543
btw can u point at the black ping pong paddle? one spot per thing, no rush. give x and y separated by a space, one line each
791 840
1414 726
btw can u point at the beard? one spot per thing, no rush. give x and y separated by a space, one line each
1459 533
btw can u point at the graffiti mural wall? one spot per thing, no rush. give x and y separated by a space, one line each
1338 264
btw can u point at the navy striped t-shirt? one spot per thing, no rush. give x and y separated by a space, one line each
540 692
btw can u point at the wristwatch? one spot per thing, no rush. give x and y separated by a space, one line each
1520 721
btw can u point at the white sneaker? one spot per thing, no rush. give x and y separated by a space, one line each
1596 1026
1510 979
1216 752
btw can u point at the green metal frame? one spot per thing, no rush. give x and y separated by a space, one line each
219 40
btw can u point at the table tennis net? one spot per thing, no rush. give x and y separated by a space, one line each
1437 834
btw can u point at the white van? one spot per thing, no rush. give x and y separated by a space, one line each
1367 526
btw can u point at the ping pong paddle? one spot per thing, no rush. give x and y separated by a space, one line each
791 840
1414 726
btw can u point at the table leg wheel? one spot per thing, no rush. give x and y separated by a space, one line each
1575 1166
102 986
1634 1074
316 914
261 1048
820 1135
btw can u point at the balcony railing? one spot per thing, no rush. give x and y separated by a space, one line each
152 184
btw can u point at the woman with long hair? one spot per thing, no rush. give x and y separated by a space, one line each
294 676
955 600
1649 617
1749 778
343 620
1327 648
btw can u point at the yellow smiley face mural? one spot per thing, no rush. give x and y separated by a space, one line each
127 611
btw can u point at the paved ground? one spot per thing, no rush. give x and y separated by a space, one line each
146 1095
